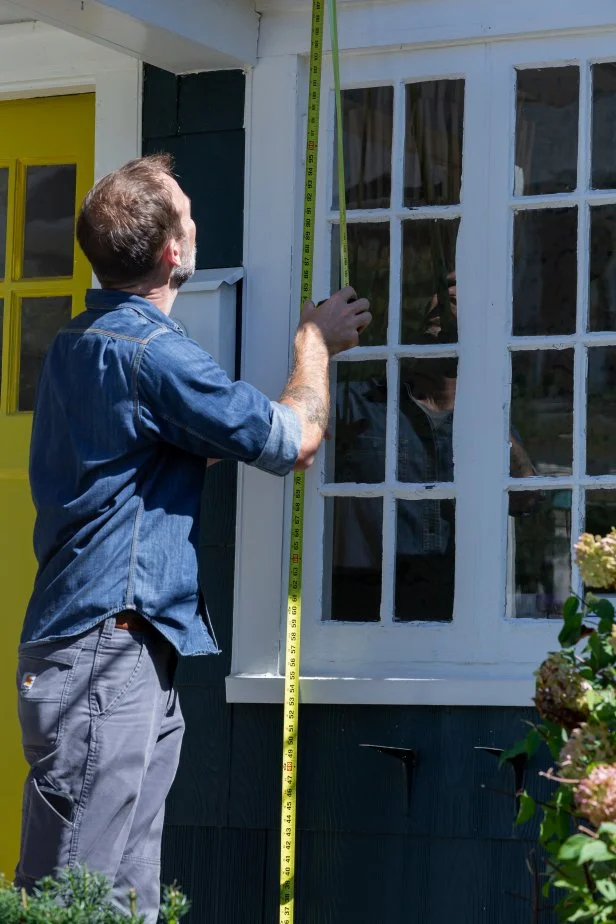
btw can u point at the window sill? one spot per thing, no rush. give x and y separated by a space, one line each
437 691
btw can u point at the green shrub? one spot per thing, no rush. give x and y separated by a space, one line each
78 896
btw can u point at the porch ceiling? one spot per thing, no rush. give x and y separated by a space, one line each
180 36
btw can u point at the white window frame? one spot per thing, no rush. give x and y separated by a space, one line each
483 656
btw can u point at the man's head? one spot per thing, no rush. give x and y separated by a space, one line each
135 227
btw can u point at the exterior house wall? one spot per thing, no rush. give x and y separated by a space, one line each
373 845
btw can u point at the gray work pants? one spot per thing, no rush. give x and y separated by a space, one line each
101 730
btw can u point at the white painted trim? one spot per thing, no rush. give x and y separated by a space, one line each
211 280
425 691
39 60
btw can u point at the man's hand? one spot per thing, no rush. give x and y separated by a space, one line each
340 319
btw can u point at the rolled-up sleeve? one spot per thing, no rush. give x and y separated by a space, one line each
183 397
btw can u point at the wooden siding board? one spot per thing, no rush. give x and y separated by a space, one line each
230 886
160 102
178 857
256 745
199 797
218 505
211 102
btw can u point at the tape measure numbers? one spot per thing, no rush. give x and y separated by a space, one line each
294 605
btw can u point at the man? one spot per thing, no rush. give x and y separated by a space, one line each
128 412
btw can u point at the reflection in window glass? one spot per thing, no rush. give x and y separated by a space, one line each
602 283
539 553
368 271
601 413
541 412
429 306
41 318
603 126
546 131
425 427
367 116
354 537
425 560
544 272
600 511
433 142
50 221
361 411
4 203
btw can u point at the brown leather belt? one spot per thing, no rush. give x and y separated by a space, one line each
133 622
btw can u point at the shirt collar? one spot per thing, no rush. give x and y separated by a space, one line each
110 299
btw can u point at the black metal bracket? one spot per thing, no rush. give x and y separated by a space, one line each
408 758
518 765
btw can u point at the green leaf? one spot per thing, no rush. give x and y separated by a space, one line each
572 847
571 632
601 651
595 851
607 888
528 808
528 745
609 828
605 611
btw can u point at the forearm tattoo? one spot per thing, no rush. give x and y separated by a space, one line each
314 407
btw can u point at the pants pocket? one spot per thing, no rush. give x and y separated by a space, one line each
46 834
118 663
44 675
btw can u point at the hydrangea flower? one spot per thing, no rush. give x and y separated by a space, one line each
561 693
596 559
595 796
591 743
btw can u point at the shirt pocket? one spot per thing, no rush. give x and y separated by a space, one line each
44 676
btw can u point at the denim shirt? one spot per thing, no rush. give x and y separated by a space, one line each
128 410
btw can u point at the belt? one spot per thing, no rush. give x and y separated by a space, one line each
133 622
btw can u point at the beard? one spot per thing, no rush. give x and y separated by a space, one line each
182 273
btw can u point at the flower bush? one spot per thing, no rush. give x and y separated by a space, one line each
78 896
576 700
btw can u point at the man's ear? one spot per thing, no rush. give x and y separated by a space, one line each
172 252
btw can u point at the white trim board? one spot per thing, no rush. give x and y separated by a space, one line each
39 60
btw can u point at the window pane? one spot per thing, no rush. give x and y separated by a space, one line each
602 284
361 412
541 413
50 221
4 201
600 511
368 272
427 396
546 131
539 553
354 539
433 143
429 305
601 420
367 126
41 318
544 272
603 126
425 560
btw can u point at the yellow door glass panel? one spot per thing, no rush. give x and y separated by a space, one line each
46 168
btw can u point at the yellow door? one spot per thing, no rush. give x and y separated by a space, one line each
46 167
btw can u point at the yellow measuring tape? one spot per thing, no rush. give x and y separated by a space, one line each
294 606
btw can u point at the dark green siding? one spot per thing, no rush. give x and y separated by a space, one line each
452 856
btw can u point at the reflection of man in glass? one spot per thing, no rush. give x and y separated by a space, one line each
425 542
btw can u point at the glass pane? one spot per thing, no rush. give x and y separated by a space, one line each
601 419
600 512
425 561
368 272
367 116
361 412
602 283
354 533
544 272
41 318
50 221
427 396
433 143
429 306
603 126
4 203
541 413
539 553
546 131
